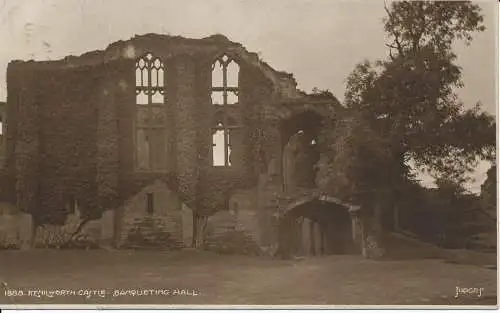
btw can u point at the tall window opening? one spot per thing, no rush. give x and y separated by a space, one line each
225 82
221 145
300 151
150 128
225 92
1 134
2 130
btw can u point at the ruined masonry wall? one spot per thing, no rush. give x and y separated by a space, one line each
9 231
244 227
16 231
161 229
71 133
233 232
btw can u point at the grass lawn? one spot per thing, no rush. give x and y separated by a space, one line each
239 280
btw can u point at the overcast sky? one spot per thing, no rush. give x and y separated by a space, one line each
319 41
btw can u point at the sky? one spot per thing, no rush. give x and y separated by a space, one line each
319 41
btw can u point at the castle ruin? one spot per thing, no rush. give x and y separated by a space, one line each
161 138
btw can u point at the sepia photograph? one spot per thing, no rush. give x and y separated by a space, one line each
248 154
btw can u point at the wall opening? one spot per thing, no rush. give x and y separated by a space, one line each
219 147
225 81
317 228
221 144
150 128
2 130
300 151
225 93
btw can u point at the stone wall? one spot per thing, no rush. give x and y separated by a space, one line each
186 121
16 231
232 232
51 137
3 118
243 204
243 227
71 134
70 130
9 231
161 228
187 226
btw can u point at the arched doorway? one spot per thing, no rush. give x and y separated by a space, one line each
317 227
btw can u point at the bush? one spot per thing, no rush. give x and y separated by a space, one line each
80 241
8 243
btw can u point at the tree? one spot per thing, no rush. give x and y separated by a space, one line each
413 25
404 108
351 159
409 97
350 166
489 191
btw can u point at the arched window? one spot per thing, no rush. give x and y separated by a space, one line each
225 92
150 136
222 135
221 145
219 153
225 82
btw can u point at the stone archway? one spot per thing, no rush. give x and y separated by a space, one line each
333 227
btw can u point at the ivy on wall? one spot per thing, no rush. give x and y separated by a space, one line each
71 135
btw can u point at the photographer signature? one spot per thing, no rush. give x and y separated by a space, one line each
469 292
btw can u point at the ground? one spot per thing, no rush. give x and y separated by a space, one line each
240 280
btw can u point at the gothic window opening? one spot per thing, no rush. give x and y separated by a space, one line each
150 127
225 93
225 81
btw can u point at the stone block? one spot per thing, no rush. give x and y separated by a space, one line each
25 227
9 236
247 220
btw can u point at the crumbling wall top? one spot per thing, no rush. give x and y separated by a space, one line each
167 46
